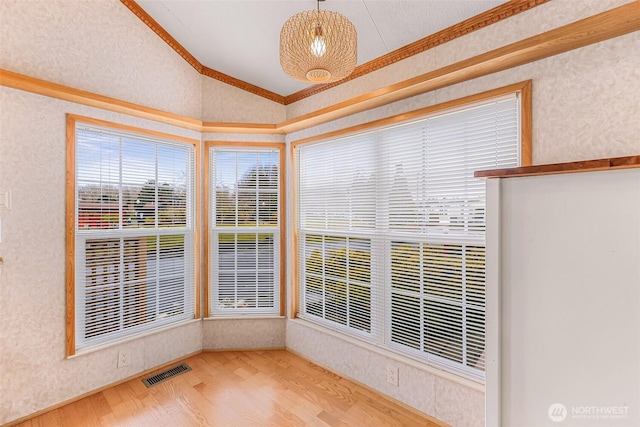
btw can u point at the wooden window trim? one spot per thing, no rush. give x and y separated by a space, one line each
71 120
208 145
523 88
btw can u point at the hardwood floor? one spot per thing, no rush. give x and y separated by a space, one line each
238 388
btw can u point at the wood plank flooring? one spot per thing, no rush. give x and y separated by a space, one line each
237 388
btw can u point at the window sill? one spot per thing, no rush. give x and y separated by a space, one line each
244 318
105 346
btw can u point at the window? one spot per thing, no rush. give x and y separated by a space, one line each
391 231
131 202
244 238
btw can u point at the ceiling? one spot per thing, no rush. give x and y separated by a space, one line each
240 38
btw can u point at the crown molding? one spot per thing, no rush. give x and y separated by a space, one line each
613 23
184 53
248 87
467 26
163 34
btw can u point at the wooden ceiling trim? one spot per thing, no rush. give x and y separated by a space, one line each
467 26
256 90
65 93
162 33
482 20
615 22
606 25
184 53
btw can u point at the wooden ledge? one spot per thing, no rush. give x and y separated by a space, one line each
558 168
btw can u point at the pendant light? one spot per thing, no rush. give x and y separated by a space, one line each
318 46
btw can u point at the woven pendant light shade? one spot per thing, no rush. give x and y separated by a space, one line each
318 46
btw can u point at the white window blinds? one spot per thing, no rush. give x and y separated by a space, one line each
134 234
244 233
391 231
337 213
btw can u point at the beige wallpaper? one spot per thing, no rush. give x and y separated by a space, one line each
519 27
247 333
541 18
453 402
585 106
224 103
584 101
99 46
34 371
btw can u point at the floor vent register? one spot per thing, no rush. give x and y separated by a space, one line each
166 375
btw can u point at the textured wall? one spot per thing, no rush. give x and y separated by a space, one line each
539 19
250 333
584 101
585 106
441 395
98 46
225 103
33 368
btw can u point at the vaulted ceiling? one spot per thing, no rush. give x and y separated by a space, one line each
237 41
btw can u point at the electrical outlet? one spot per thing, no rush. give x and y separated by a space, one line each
392 375
123 359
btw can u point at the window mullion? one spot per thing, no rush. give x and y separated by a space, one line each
157 278
464 305
348 284
423 301
121 281
257 261
324 278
